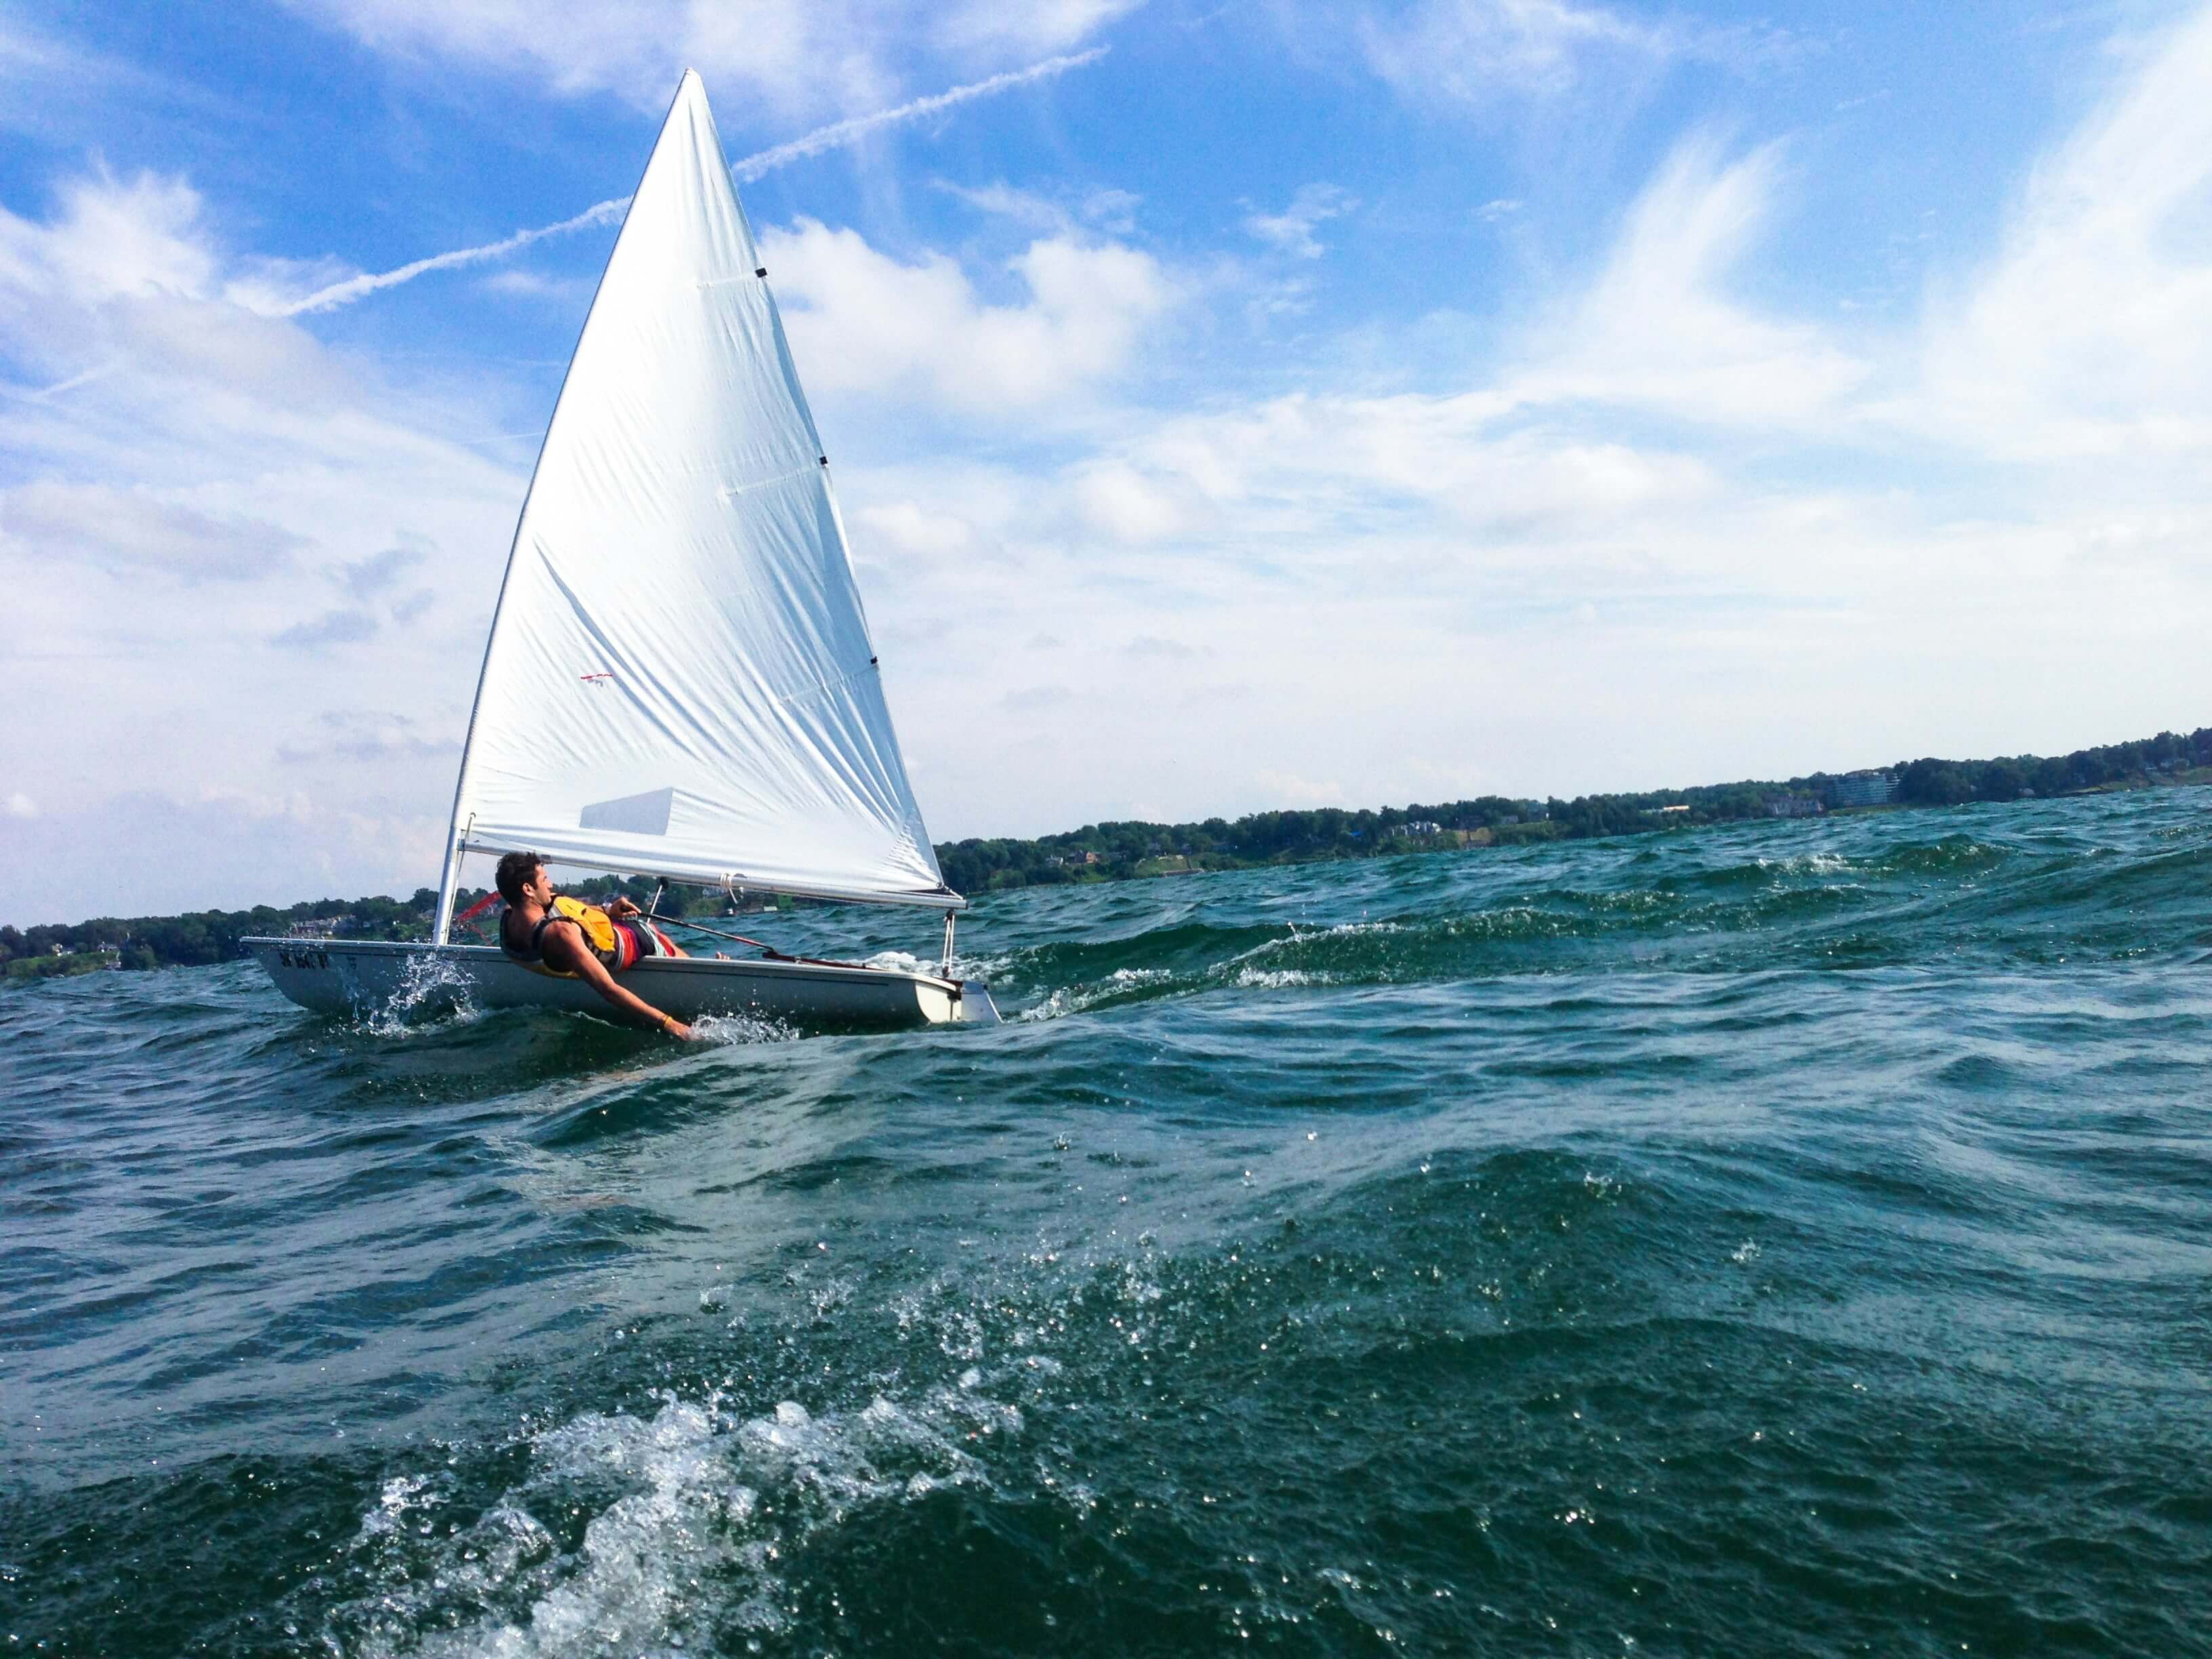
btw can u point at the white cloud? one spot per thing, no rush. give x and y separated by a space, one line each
864 321
1030 25
1533 585
130 532
1002 201
1111 212
348 625
114 237
1033 698
152 852
2080 338
1658 328
1127 505
173 435
2086 335
1477 53
1291 231
921 538
20 806
365 735
1152 647
791 58
366 578
569 293
1321 469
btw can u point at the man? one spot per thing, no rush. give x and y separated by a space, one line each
578 941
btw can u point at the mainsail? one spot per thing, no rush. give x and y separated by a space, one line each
679 680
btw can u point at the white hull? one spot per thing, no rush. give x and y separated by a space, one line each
338 976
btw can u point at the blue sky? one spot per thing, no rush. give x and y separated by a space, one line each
1281 403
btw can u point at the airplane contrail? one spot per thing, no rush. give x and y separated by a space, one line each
354 288
844 132
756 166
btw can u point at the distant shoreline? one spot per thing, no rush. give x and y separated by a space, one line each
1133 851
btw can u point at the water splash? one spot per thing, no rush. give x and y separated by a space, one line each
740 1030
698 1495
434 992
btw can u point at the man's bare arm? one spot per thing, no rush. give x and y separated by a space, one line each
567 941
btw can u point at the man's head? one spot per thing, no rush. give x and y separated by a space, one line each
517 874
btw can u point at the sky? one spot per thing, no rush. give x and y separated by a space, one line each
1234 403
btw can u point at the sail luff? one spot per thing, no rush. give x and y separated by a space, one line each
453 826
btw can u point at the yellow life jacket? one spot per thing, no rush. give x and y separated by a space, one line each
600 934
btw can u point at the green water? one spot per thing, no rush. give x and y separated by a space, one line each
1783 1239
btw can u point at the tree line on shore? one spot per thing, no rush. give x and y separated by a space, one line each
1116 851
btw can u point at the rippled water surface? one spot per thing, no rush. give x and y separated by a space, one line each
1791 1238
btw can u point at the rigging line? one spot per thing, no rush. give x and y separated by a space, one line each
774 955
654 914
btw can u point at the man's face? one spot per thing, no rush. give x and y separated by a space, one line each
540 888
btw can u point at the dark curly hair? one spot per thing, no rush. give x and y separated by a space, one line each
514 870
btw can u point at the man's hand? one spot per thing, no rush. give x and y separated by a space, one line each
623 909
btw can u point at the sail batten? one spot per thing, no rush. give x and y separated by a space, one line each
680 680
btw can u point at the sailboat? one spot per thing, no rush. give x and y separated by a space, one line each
679 681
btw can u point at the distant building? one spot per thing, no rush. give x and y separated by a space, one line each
1866 788
1683 807
1423 828
1793 806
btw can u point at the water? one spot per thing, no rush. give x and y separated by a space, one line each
1788 1238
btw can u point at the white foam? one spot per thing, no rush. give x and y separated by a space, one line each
1074 999
1249 978
707 1499
400 1494
1807 864
905 962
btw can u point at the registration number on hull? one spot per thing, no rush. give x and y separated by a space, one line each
303 958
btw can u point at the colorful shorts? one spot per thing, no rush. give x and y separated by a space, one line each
634 939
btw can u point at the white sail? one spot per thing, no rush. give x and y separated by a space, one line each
679 681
